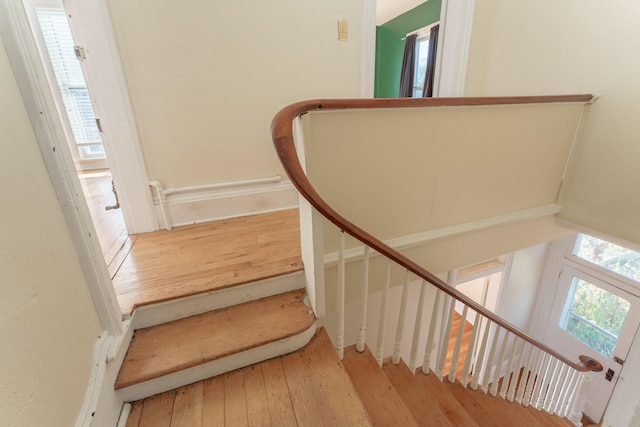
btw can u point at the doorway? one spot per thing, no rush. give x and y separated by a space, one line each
61 58
596 311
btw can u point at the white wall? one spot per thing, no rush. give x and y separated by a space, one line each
207 77
48 324
521 291
573 46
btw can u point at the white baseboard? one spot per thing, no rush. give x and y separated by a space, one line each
102 406
188 206
169 311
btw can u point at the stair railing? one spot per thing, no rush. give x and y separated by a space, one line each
500 358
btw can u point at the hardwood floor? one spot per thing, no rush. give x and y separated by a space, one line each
306 388
109 224
153 267
199 258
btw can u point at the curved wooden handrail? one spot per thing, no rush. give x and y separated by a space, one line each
282 135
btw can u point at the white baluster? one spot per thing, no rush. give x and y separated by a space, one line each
555 388
499 363
547 397
432 332
486 380
541 382
445 335
364 296
480 360
469 356
340 298
517 375
417 328
456 350
383 316
395 357
567 393
533 377
510 378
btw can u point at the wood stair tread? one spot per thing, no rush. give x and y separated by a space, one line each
383 403
181 344
309 387
408 387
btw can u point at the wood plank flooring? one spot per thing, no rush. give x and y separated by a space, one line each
109 224
305 388
199 258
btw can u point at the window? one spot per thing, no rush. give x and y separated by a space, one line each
420 67
594 316
59 43
609 256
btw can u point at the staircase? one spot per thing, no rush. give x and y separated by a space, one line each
262 363
311 387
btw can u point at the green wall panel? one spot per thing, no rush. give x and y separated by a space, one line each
390 46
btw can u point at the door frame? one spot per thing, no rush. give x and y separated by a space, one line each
560 256
125 159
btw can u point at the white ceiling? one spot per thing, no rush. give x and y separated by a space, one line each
389 9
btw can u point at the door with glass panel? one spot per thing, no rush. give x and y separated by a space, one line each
596 313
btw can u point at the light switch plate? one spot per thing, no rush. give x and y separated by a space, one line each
343 30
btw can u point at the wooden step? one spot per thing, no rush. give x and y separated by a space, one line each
173 354
423 408
200 258
307 388
383 403
488 410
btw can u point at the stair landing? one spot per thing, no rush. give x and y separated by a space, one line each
200 258
307 388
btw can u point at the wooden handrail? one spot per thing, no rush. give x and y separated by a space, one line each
282 135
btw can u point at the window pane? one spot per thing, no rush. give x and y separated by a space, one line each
608 255
422 53
594 316
73 89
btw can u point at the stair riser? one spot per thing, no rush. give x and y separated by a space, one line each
168 311
217 367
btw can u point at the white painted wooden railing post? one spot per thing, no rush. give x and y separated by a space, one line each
509 377
364 295
486 379
498 370
479 365
472 343
340 298
395 357
417 327
534 377
580 400
515 370
428 347
444 338
383 316
456 350
567 393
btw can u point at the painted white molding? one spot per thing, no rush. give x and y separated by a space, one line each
168 311
418 239
32 81
192 206
124 415
217 367
91 27
102 406
367 84
92 396
453 49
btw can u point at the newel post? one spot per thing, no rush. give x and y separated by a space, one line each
582 389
